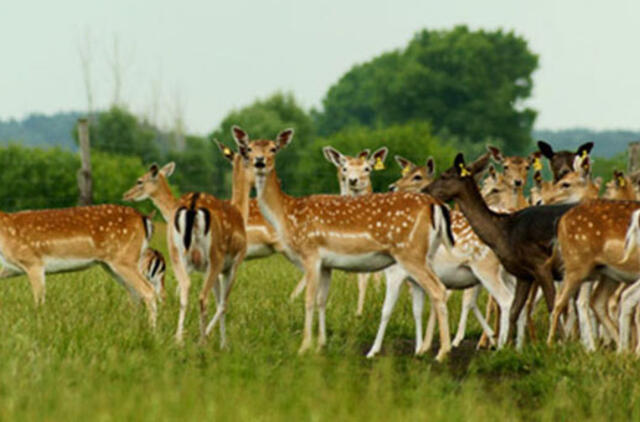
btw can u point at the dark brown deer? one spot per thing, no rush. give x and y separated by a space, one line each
523 241
562 161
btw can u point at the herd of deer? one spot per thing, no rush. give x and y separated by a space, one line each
562 236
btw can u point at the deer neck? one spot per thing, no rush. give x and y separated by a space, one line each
164 200
272 201
488 225
520 199
241 186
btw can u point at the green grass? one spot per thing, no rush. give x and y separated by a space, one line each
88 353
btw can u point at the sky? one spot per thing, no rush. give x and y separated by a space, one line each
197 60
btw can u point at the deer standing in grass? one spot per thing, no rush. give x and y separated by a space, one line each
362 234
354 178
467 265
203 234
522 241
42 242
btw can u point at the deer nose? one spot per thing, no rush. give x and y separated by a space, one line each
353 182
392 188
259 163
518 183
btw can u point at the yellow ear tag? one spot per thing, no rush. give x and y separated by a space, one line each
379 164
406 170
463 171
537 164
621 181
227 151
584 153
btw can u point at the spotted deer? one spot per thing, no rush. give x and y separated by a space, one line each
362 234
620 187
522 241
204 234
354 178
50 241
466 266
153 267
591 239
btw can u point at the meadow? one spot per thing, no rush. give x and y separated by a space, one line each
89 354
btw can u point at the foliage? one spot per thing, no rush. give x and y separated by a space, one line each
470 83
412 140
201 168
35 178
118 131
41 130
264 119
604 167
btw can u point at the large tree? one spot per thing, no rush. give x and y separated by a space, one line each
470 84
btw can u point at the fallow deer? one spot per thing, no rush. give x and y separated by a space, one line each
591 239
203 234
362 234
354 178
620 187
153 267
561 162
49 241
515 173
467 265
522 240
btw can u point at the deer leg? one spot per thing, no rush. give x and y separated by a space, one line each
584 320
298 290
414 263
35 273
211 278
637 323
417 305
519 300
363 279
571 283
488 314
629 300
394 276
431 327
323 294
599 298
311 273
184 282
130 273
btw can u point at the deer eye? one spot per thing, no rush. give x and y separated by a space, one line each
139 182
565 185
249 149
494 191
367 169
273 150
344 169
417 178
506 167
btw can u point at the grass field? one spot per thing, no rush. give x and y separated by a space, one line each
88 353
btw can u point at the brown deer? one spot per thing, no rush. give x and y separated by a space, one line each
591 239
42 242
204 234
620 187
562 161
522 240
515 173
354 178
467 265
362 234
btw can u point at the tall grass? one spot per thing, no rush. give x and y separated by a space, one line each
88 354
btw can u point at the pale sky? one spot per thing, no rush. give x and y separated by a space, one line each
207 57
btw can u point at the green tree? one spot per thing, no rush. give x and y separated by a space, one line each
200 169
468 83
264 119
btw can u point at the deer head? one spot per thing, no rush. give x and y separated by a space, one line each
620 187
457 180
574 186
354 173
261 153
562 161
414 178
516 169
147 185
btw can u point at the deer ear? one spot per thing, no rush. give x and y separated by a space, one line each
364 154
404 164
284 138
431 167
479 165
240 136
153 169
333 156
168 169
226 151
492 172
460 166
584 149
545 149
495 152
378 157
